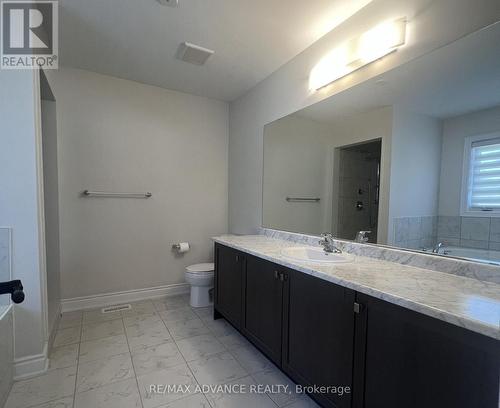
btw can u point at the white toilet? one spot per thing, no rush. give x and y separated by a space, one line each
201 279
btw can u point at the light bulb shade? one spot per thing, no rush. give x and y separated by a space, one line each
354 54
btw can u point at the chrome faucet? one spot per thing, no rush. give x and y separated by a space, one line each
437 247
328 244
361 236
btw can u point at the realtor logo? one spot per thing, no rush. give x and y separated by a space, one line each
29 34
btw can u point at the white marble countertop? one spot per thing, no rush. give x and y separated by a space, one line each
464 302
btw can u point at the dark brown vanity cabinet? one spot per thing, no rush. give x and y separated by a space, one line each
324 334
305 325
229 283
263 306
406 359
318 336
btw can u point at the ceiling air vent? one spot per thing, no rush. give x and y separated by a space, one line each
194 54
170 3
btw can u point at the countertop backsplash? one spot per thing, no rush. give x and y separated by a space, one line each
460 267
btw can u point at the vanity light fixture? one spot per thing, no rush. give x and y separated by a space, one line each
358 52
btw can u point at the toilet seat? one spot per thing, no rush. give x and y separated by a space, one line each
201 268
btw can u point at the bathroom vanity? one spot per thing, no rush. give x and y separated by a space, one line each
397 336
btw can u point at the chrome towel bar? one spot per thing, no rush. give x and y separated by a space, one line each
303 200
89 193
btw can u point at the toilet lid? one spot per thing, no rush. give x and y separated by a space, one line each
201 268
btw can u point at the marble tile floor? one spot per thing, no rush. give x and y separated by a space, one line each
111 360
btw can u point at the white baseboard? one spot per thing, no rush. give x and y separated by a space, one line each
109 299
30 366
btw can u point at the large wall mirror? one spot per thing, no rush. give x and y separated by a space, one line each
412 156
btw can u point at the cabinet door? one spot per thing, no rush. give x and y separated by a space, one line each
263 306
318 335
415 361
229 264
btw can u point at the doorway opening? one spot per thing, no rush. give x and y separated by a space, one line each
358 189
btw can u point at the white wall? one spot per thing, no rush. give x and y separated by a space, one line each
296 165
51 206
286 90
6 354
118 135
5 261
455 130
415 166
21 207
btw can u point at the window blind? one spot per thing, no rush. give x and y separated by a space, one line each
484 181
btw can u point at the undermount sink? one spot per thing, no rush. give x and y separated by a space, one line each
309 254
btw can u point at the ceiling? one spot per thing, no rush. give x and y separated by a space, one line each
456 79
138 39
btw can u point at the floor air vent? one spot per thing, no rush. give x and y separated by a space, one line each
116 308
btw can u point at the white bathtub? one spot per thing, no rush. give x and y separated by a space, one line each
6 352
483 255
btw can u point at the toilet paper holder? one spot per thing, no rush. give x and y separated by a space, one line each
181 247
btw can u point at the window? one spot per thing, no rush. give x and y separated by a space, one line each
481 186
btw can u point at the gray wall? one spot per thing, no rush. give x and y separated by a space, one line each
453 229
286 90
415 167
427 210
455 130
296 165
299 161
118 135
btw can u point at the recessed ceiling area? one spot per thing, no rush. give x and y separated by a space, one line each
138 39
